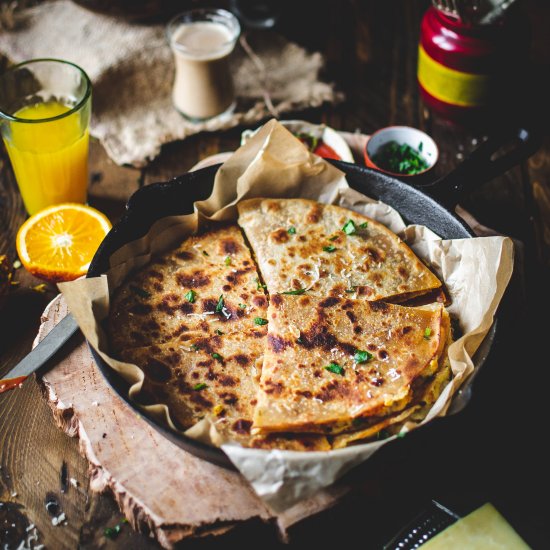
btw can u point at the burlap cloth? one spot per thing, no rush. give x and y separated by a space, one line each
131 68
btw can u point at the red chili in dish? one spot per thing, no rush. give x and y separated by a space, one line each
318 146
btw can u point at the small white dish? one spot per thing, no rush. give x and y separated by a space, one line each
414 138
319 131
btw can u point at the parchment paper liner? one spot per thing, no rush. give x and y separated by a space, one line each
275 164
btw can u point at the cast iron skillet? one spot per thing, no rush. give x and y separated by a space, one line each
432 205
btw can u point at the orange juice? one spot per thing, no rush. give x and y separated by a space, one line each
49 158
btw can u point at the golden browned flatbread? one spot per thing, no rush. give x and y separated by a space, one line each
302 245
330 363
214 377
416 410
207 285
333 363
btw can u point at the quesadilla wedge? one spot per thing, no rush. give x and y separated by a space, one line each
208 285
213 377
415 412
302 245
332 364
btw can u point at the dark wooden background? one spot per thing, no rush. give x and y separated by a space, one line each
491 452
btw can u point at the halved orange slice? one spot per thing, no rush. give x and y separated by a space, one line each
59 242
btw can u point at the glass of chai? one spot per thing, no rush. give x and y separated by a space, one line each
44 119
202 41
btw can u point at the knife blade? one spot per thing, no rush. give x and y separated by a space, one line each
44 351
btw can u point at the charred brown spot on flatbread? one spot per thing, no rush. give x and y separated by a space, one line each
277 344
242 426
230 246
329 302
193 280
280 236
184 255
242 359
314 214
379 306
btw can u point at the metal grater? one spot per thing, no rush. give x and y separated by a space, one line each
423 527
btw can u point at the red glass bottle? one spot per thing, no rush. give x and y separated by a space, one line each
465 70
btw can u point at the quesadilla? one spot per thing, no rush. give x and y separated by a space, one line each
302 245
208 285
213 377
331 361
416 410
335 364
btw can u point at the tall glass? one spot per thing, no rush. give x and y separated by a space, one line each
44 121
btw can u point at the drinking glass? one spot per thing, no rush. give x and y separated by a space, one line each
202 41
44 121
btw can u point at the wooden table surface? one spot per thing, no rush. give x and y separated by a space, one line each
491 452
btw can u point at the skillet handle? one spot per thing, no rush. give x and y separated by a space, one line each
482 164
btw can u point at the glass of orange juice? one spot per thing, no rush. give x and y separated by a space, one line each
44 121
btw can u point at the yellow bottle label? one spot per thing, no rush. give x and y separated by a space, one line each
452 86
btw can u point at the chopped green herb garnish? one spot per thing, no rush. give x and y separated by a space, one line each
260 285
309 140
362 356
190 296
194 347
260 321
220 305
329 248
420 146
219 332
200 386
299 340
351 290
349 227
291 230
335 368
217 356
295 292
205 253
242 306
333 238
363 225
140 292
400 158
112 532
427 333
227 260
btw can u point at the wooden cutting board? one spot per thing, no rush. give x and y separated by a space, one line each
162 490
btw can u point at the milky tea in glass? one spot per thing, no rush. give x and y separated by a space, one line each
202 41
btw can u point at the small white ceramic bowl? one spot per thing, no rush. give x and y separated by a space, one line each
402 134
328 135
